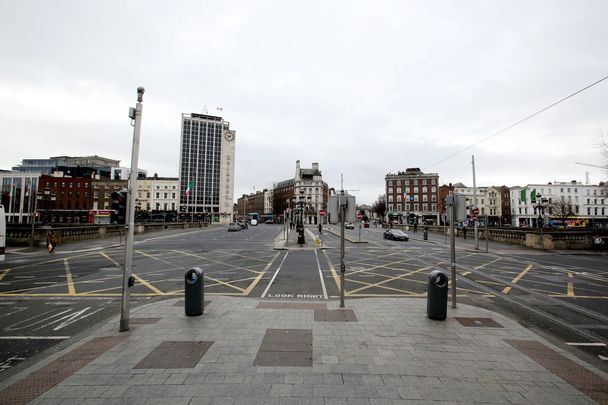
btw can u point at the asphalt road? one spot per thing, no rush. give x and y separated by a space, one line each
45 299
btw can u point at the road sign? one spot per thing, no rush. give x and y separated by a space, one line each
359 216
322 213
476 211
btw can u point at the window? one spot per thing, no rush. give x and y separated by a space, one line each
398 207
157 196
415 189
415 207
390 190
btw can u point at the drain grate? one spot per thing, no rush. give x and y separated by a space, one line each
478 322
285 348
336 315
576 375
290 305
175 354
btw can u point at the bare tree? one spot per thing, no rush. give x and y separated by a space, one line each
561 210
379 207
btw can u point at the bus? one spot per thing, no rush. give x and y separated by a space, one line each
2 233
570 222
100 217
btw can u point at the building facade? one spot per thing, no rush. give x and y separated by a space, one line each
19 193
155 194
206 167
80 166
259 202
586 201
305 194
102 189
412 196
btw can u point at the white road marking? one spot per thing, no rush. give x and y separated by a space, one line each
274 276
321 276
33 337
586 344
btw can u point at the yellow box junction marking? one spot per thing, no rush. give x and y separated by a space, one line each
247 291
68 277
4 273
516 279
110 259
392 278
145 283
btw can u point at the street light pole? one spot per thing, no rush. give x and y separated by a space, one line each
475 202
135 114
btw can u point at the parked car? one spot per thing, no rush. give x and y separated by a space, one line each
242 224
233 227
349 225
396 234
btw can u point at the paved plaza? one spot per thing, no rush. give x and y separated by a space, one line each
255 351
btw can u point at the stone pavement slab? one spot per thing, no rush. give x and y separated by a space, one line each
391 354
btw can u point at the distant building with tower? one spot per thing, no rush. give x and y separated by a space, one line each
305 195
206 168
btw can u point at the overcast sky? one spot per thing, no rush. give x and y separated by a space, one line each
363 88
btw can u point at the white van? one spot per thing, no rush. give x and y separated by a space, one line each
2 233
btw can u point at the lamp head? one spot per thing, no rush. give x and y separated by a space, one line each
140 94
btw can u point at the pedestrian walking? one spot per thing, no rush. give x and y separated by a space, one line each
464 232
51 241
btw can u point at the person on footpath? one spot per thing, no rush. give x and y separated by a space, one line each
51 241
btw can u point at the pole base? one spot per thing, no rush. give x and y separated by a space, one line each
124 325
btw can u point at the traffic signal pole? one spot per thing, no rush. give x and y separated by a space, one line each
135 115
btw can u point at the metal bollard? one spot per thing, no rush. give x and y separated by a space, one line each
425 234
437 295
194 292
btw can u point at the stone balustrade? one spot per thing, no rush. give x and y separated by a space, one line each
20 235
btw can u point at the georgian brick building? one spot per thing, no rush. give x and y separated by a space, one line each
413 196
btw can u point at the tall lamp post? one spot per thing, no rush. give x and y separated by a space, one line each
540 206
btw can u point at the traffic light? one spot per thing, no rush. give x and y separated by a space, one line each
119 206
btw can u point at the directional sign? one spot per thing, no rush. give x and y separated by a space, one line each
322 213
359 216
